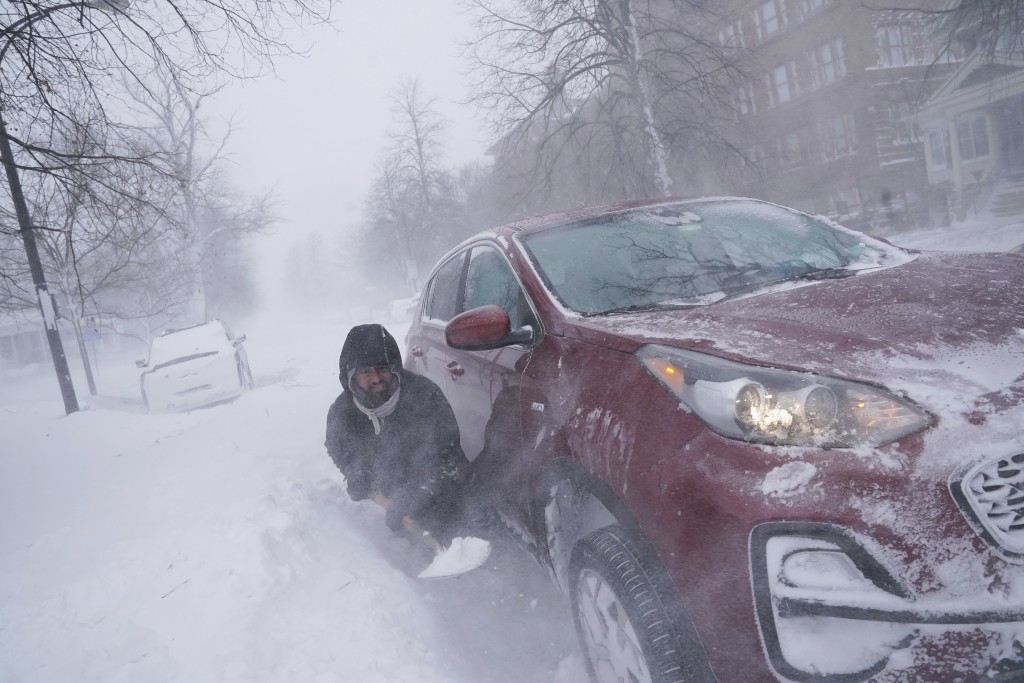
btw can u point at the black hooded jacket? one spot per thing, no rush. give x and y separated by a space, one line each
416 461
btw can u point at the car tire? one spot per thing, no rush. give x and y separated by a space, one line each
623 623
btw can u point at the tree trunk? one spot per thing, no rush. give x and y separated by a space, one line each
657 155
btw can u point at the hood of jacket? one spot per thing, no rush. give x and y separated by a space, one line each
369 345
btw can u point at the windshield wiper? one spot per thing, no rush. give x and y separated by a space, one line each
669 305
812 275
825 274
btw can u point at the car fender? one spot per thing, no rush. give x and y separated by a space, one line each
576 502
573 502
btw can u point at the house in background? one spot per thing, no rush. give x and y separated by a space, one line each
22 340
974 130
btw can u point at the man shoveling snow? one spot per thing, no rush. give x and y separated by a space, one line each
394 437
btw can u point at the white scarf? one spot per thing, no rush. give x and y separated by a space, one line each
383 410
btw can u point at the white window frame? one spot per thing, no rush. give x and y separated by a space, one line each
769 18
902 44
829 63
976 128
731 35
782 83
940 150
839 136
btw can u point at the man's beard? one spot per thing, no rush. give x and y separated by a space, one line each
372 400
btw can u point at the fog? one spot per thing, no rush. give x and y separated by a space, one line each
220 544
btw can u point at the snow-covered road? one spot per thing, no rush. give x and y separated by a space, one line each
219 545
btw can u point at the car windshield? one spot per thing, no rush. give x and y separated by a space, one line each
188 342
690 254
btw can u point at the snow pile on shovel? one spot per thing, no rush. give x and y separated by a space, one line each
465 553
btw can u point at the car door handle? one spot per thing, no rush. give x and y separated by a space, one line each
454 369
416 351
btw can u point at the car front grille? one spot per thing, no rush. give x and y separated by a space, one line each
991 496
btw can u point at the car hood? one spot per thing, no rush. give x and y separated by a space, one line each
943 320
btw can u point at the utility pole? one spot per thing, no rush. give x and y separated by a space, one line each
25 227
46 306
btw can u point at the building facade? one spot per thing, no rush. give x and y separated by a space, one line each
973 127
824 112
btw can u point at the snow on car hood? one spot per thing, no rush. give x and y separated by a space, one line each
946 328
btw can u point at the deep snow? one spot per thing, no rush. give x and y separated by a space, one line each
219 545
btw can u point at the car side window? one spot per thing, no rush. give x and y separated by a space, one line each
490 280
444 290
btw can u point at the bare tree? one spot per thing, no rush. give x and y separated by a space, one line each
412 204
211 218
61 66
102 244
596 81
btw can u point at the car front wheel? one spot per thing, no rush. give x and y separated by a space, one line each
622 622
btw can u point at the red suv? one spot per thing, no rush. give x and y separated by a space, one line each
750 444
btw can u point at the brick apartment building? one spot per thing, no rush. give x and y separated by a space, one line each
827 109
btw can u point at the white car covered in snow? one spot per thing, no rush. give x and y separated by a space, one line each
193 367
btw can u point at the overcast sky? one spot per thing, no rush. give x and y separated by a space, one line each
314 132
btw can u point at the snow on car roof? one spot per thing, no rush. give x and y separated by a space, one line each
188 341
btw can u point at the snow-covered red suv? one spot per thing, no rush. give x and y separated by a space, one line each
750 444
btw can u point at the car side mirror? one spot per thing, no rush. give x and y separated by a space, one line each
485 328
141 363
238 340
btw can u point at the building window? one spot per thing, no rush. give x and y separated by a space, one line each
769 18
732 35
828 63
972 136
811 6
782 85
902 123
938 145
838 136
745 100
902 45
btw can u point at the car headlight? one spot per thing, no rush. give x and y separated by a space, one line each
781 407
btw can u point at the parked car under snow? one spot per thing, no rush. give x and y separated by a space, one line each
193 367
750 444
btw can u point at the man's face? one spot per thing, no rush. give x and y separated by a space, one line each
375 384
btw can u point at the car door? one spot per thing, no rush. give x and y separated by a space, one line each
427 352
506 405
489 280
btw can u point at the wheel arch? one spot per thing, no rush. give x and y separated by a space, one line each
573 502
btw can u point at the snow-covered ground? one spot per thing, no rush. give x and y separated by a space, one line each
219 545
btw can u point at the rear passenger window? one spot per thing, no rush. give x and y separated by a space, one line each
444 290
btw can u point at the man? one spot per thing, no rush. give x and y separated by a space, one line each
393 434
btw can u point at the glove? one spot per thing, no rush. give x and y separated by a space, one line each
406 506
393 516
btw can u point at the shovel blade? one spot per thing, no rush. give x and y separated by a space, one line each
465 554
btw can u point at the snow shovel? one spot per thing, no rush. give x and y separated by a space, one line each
465 553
